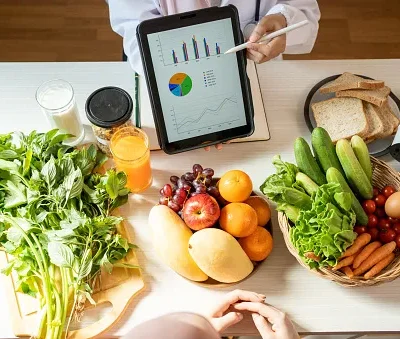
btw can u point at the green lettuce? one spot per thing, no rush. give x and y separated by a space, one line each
282 187
327 228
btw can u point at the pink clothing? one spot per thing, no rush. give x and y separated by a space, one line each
178 6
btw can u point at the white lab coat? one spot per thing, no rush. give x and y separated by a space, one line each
125 15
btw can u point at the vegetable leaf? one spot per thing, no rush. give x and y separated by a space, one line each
86 265
8 154
112 185
27 162
60 254
16 195
8 165
327 229
49 172
73 184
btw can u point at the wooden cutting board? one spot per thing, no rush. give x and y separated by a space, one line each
118 288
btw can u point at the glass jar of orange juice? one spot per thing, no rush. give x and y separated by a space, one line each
131 152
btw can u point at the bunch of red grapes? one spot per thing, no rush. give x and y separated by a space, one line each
380 226
190 184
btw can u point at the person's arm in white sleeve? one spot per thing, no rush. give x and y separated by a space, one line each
300 40
125 16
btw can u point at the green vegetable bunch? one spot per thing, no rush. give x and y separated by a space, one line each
56 222
283 189
326 230
323 217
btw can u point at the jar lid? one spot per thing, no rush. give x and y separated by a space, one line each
109 107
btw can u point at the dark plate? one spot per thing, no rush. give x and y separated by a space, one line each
376 148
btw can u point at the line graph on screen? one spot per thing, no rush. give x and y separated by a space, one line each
216 111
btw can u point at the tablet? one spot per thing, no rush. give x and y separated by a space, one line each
199 95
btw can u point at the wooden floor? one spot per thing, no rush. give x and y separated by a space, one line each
79 30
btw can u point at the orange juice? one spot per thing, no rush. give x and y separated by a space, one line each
131 153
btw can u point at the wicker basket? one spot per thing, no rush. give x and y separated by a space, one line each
382 175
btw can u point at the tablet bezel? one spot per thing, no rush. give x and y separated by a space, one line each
185 20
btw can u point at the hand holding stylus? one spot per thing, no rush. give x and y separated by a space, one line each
272 28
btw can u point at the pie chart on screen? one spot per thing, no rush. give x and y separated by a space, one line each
180 84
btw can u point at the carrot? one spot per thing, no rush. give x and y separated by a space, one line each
379 266
365 253
345 262
312 256
375 257
360 242
348 271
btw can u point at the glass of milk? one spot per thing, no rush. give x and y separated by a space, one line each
56 97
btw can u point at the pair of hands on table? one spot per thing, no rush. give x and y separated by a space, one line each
260 53
270 322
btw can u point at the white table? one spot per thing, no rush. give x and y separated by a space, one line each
315 305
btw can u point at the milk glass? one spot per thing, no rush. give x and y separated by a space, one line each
57 100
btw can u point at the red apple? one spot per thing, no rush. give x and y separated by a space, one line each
200 211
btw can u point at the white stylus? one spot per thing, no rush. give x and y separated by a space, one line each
269 36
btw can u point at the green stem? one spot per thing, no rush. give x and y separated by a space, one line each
65 295
57 318
42 325
71 314
42 270
47 285
97 253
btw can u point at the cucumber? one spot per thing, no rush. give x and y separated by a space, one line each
361 151
306 162
304 181
324 150
333 175
355 174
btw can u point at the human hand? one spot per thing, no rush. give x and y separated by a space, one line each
217 146
222 321
263 52
278 325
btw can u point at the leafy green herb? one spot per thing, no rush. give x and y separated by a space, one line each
55 219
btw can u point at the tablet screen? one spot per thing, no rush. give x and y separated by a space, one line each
199 86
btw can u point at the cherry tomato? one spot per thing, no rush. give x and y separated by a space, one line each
380 200
397 240
376 191
387 236
374 232
388 191
372 221
393 220
360 229
380 212
396 227
384 224
369 206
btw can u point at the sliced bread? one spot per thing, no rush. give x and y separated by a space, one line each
341 117
376 127
351 81
377 97
391 120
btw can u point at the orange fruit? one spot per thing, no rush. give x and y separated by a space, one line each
257 245
238 219
262 209
235 186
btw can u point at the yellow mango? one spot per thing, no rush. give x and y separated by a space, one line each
219 255
171 239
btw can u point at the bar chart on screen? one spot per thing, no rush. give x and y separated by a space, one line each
175 47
